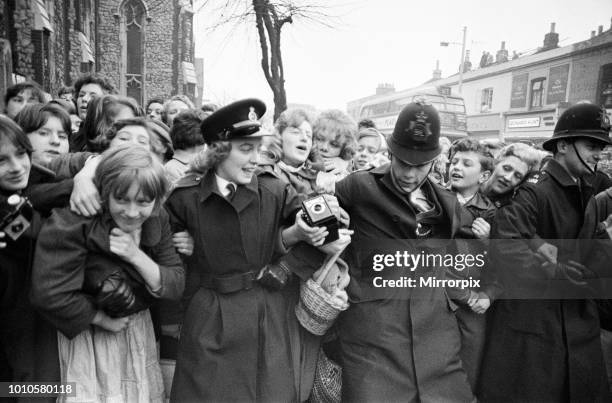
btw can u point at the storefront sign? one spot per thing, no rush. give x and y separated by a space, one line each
557 84
523 122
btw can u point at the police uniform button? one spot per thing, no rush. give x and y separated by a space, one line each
197 178
497 204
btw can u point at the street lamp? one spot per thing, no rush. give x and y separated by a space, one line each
462 56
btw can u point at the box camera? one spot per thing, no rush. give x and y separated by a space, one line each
15 216
316 213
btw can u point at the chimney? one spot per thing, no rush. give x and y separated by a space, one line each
437 73
592 34
385 88
502 54
551 39
600 30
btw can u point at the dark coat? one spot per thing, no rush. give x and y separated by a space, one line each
398 344
64 245
28 346
236 346
541 349
597 252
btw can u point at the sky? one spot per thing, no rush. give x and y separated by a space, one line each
380 41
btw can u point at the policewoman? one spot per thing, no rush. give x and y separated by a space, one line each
401 344
234 343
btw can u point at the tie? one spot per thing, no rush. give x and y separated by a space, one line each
419 201
232 191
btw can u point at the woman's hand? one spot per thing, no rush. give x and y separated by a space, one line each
481 228
312 235
85 198
183 242
111 324
336 165
344 238
123 245
481 304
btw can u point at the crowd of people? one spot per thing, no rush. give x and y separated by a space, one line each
241 257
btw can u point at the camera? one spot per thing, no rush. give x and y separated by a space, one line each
316 213
15 216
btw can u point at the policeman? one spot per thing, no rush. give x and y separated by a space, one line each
548 349
400 344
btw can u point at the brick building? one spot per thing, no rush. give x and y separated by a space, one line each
521 98
144 47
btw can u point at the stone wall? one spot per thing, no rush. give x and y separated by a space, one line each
159 64
23 48
165 29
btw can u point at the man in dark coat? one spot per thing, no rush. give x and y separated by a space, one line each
401 343
544 339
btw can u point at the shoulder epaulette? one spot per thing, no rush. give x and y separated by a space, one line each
189 180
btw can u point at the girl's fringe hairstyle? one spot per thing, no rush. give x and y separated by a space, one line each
122 166
101 112
529 155
345 128
212 156
10 132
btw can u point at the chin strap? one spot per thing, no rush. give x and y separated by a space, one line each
591 170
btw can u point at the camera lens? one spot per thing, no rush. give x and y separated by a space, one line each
17 228
317 208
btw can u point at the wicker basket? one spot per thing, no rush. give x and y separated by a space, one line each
327 386
317 310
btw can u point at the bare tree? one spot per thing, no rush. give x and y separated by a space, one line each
270 16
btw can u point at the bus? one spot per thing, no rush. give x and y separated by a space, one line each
384 110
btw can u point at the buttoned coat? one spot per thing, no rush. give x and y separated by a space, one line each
538 349
234 346
399 344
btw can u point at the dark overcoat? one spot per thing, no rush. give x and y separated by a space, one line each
66 242
28 349
399 344
544 350
235 346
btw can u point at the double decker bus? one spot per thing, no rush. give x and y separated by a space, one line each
383 111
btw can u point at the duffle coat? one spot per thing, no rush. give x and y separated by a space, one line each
544 350
235 346
399 344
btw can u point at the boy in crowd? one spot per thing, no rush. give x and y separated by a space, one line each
20 94
470 166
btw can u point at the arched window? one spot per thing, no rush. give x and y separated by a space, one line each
133 15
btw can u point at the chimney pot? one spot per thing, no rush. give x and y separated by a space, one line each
592 34
599 30
503 45
552 27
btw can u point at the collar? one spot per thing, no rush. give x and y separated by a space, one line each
222 185
289 168
559 173
209 186
478 201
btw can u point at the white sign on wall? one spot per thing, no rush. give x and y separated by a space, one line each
523 122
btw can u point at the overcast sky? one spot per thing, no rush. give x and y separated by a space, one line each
377 41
